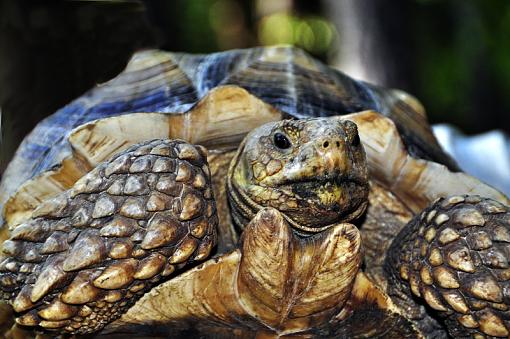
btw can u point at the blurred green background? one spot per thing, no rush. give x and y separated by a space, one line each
454 55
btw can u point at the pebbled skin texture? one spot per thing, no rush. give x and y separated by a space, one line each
454 257
86 256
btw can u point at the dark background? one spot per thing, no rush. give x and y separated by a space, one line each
453 55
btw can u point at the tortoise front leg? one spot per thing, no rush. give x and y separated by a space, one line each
455 256
275 284
87 255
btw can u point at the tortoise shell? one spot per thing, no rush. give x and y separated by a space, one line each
217 114
286 78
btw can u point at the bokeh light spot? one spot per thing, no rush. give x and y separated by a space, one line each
277 29
304 35
314 34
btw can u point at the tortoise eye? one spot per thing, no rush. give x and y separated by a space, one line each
281 141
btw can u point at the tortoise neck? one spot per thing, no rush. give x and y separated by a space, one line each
242 207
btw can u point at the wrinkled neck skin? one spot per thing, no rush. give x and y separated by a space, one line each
313 171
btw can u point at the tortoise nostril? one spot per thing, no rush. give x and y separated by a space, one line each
338 144
325 144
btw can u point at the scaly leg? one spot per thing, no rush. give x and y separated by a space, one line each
454 256
86 256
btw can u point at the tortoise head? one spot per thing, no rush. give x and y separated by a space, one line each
314 171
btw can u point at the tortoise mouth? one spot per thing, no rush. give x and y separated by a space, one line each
320 203
322 181
323 203
312 205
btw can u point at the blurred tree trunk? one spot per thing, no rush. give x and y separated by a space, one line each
374 40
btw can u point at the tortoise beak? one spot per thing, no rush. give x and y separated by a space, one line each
332 155
318 161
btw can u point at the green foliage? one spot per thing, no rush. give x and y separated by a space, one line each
462 57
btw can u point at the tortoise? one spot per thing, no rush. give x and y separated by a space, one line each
265 195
